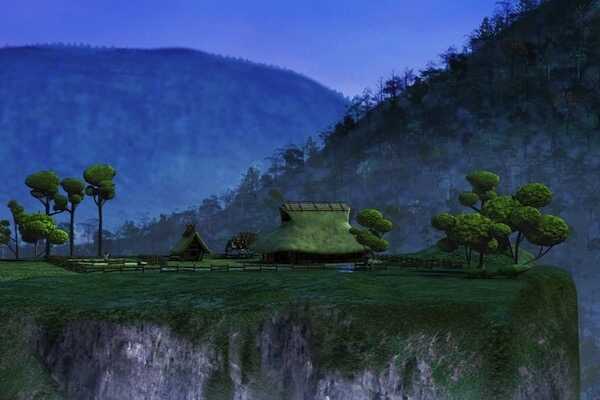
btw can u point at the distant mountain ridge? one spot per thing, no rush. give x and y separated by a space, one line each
178 124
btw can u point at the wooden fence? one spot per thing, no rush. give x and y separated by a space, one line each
160 264
417 262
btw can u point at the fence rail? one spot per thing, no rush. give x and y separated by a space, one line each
417 262
160 264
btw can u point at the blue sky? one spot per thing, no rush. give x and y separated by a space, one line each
344 44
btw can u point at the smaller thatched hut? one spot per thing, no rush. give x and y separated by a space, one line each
191 246
311 232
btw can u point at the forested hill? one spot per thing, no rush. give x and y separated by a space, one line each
522 99
177 124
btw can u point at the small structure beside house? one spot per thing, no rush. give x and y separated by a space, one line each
191 246
311 232
240 244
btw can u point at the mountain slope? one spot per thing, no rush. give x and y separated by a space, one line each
177 124
523 102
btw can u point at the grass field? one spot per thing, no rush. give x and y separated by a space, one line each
383 304
40 284
10 271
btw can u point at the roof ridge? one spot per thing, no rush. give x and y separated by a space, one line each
315 206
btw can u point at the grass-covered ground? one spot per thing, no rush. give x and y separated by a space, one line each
39 284
10 270
383 305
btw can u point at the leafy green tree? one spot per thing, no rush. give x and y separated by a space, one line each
375 225
500 209
102 189
535 195
484 184
548 232
519 214
473 231
523 219
17 211
75 190
37 227
44 186
527 219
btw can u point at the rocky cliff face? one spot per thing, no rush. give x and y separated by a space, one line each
282 357
99 360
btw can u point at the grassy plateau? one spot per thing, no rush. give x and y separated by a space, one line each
358 318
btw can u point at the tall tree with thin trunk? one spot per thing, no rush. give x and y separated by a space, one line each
44 186
102 189
75 190
17 212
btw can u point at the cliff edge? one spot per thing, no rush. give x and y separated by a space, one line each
383 335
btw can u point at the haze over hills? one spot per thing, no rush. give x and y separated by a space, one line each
523 101
177 124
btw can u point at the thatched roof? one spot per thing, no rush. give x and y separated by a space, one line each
308 227
314 206
189 237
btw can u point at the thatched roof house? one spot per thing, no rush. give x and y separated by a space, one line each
191 246
311 232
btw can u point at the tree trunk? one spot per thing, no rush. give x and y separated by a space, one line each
100 228
480 266
72 231
47 204
16 238
506 245
517 247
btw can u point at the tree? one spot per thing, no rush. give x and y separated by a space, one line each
293 158
311 151
276 163
37 227
548 232
375 226
485 32
523 219
44 186
524 7
75 190
535 195
17 211
484 185
499 217
473 231
5 238
500 210
355 108
368 102
248 188
505 14
393 87
102 189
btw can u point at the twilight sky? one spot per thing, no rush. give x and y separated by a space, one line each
344 44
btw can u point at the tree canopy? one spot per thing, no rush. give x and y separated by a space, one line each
490 228
375 226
